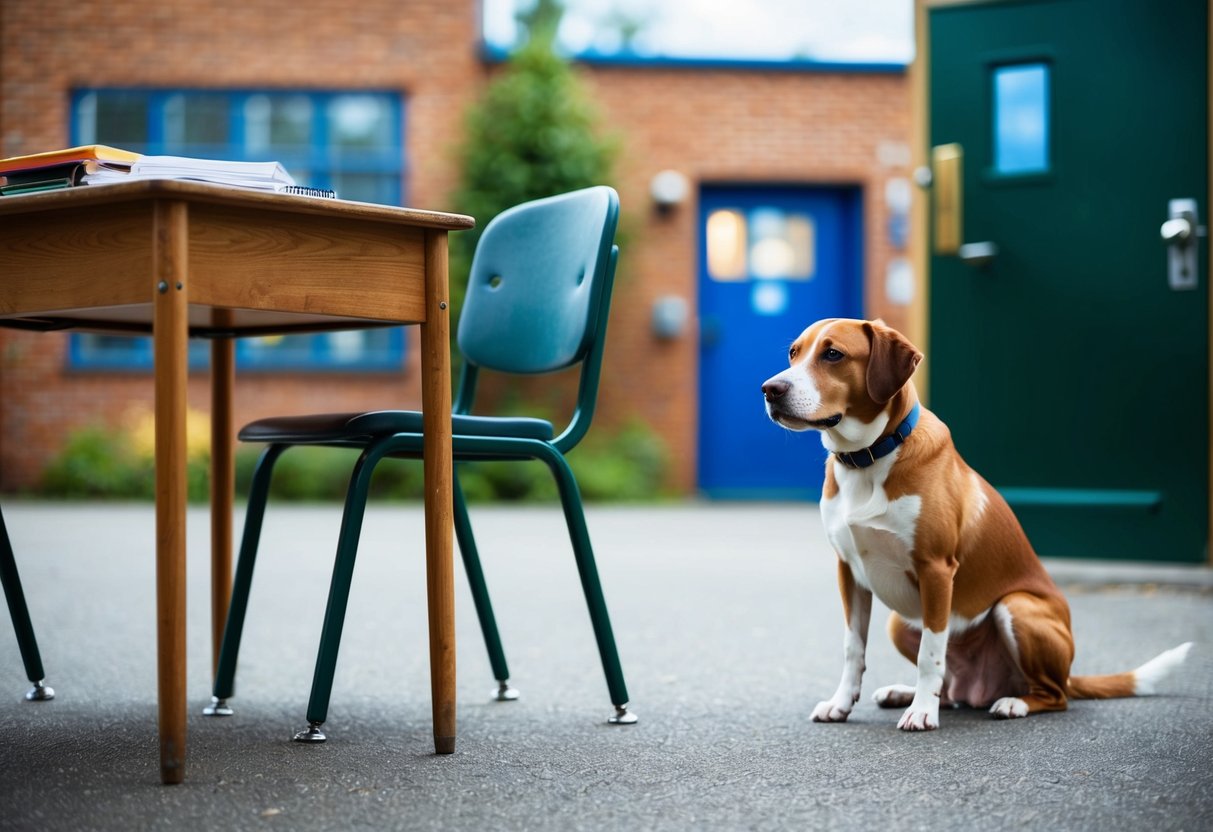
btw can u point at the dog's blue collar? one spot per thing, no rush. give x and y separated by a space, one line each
883 447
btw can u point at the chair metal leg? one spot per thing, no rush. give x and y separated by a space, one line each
40 692
339 592
480 597
225 673
503 692
311 733
17 609
574 514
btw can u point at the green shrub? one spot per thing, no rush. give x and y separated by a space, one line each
628 465
95 462
511 481
110 462
323 474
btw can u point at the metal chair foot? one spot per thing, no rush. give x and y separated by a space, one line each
40 692
623 716
218 707
311 733
504 693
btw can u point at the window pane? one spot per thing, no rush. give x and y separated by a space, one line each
362 349
197 124
110 351
781 245
801 235
726 244
365 187
359 122
345 348
114 118
122 352
1021 118
276 351
277 123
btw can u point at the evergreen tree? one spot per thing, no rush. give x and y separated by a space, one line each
533 134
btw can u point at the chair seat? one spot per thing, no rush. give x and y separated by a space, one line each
355 427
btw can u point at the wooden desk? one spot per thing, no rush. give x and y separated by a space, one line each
178 259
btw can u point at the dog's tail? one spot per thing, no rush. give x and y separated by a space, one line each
1143 681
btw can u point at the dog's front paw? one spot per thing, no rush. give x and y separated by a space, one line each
893 696
1009 707
919 718
831 710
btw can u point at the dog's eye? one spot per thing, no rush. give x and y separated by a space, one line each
832 355
793 352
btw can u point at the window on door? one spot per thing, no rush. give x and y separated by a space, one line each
1021 119
764 243
348 141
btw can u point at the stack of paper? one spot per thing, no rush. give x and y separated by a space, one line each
98 164
265 176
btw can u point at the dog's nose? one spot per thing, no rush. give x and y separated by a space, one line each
775 389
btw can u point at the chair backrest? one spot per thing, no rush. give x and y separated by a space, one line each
539 293
537 280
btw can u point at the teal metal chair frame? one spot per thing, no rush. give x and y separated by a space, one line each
383 434
27 643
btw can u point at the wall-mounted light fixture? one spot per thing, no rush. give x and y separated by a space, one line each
669 188
670 315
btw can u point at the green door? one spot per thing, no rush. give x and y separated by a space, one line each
1068 357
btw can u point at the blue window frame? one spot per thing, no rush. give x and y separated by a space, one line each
1021 119
374 350
349 141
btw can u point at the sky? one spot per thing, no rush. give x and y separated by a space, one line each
828 30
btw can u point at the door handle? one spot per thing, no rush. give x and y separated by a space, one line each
978 255
1177 231
1180 232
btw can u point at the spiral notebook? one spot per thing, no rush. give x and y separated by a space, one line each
304 190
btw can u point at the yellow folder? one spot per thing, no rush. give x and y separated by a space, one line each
52 158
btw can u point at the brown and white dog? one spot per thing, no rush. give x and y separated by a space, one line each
972 605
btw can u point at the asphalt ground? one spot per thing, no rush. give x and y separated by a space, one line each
729 627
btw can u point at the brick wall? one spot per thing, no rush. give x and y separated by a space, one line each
713 125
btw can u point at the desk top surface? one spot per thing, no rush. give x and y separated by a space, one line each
207 192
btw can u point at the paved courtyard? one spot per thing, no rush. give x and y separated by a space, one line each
729 627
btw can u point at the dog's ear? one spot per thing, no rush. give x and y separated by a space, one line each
891 362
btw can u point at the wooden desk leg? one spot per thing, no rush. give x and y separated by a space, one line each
439 518
223 376
169 335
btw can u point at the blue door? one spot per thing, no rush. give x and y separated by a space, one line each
772 261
